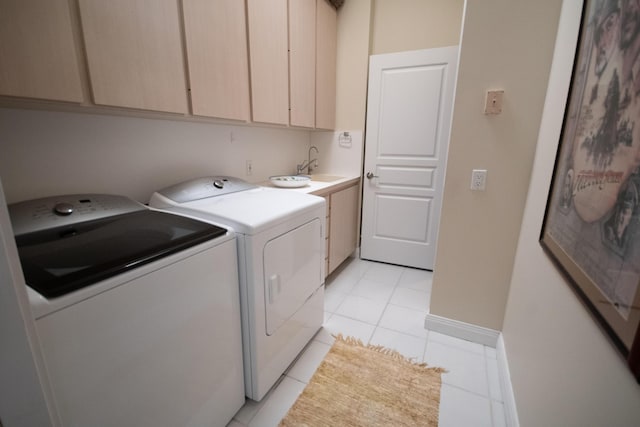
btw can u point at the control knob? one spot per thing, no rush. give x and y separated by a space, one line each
63 209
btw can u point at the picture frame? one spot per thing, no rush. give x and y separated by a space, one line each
591 227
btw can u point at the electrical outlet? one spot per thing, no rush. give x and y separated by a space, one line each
478 179
249 168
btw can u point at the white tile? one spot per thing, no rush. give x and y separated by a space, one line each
498 415
410 298
332 301
466 370
405 320
342 283
349 328
360 308
249 410
323 335
413 278
462 408
407 345
495 390
355 268
379 291
278 403
327 315
471 391
304 368
384 273
461 344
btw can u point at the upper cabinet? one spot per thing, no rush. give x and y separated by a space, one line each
326 47
268 53
38 51
134 52
297 88
267 61
216 36
302 62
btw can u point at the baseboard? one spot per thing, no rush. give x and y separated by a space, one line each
509 401
462 330
490 338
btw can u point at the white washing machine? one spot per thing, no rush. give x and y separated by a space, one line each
281 265
137 311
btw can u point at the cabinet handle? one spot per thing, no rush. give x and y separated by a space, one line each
371 176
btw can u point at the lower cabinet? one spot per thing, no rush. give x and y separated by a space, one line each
342 224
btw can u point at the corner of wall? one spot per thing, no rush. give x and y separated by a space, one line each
510 409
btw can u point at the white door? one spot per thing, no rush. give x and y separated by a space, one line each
408 124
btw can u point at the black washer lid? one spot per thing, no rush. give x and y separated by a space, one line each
61 260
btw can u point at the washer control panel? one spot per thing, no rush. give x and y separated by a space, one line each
205 187
50 212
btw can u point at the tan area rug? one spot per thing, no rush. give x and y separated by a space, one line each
358 385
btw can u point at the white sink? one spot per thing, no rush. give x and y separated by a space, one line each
325 178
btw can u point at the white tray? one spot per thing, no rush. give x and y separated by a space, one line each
290 181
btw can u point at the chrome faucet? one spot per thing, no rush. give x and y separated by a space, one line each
308 164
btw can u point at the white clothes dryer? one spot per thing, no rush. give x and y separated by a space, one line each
281 265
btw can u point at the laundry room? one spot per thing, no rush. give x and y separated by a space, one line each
138 141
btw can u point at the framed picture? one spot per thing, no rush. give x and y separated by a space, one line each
592 221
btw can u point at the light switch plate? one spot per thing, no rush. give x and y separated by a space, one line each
493 104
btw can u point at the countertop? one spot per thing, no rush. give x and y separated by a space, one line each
321 184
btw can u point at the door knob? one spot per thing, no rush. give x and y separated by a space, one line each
371 176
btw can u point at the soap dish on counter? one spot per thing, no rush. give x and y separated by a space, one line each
290 181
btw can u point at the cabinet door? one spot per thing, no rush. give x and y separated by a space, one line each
269 60
343 231
37 50
217 54
326 45
302 62
134 51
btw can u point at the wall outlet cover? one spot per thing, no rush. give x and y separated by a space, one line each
478 179
344 139
493 104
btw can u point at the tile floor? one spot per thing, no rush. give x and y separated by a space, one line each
386 305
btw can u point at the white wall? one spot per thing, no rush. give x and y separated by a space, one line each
507 45
564 371
24 391
352 64
336 159
45 153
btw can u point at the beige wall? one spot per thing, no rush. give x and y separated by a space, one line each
383 26
400 25
352 64
508 45
563 369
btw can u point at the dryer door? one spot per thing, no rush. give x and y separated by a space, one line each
292 272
